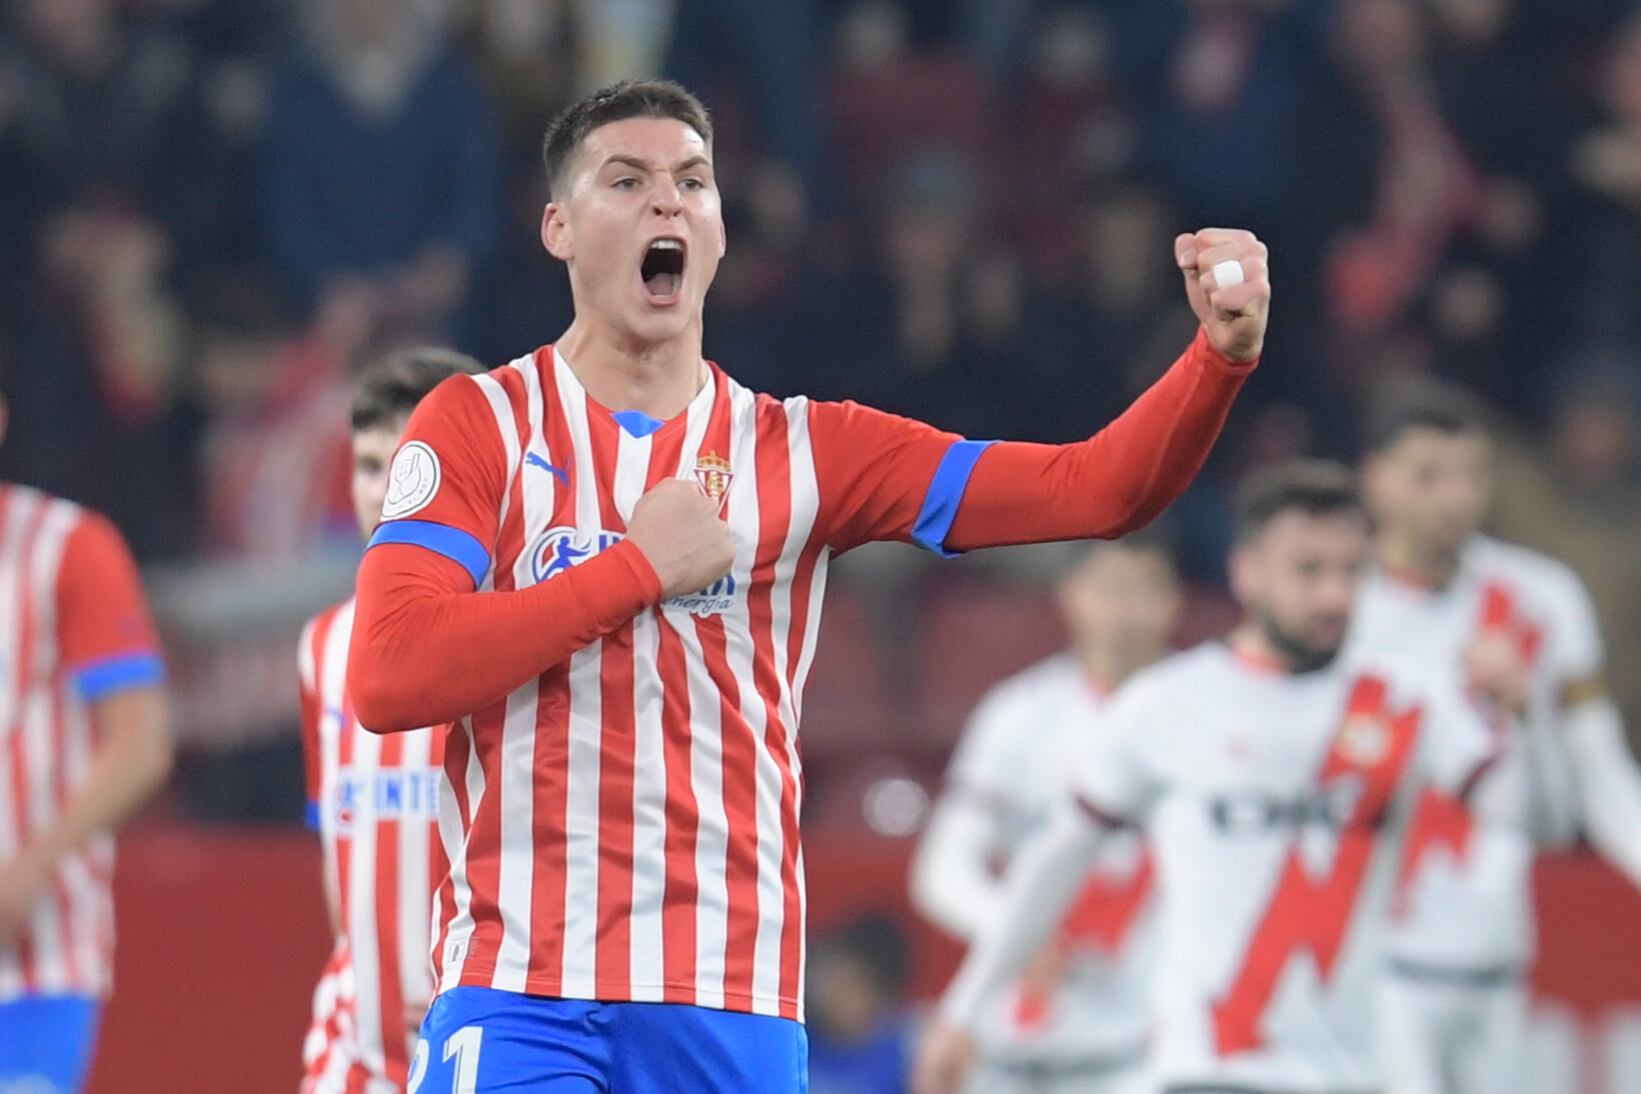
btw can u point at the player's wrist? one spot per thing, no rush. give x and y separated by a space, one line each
644 579
1204 349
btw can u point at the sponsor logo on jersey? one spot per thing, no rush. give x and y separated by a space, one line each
559 548
413 480
384 795
1253 812
713 475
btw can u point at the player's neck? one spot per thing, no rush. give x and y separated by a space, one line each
1403 559
1253 648
1105 669
659 378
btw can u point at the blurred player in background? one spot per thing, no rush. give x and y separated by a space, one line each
1079 1019
374 800
1274 779
1518 628
84 740
605 563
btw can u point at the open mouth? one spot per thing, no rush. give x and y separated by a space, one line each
663 269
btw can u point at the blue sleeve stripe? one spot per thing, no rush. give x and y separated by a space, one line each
311 816
112 675
453 543
945 494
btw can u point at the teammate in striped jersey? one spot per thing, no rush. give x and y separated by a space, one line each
84 741
604 562
1519 627
373 799
1078 1021
1275 777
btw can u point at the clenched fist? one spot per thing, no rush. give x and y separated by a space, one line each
1234 315
677 528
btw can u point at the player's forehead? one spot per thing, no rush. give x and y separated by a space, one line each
663 143
380 439
1428 445
1295 532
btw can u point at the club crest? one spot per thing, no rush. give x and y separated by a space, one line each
713 476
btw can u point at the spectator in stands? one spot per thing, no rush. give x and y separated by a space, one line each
383 165
859 1040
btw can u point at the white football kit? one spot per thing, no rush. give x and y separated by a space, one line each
1462 936
1274 804
1087 1032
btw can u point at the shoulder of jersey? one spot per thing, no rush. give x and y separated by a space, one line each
1178 670
1536 569
1030 682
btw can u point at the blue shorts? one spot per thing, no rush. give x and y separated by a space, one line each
476 1040
47 1040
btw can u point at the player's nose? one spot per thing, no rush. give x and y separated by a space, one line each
665 196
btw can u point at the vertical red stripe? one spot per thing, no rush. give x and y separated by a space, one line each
681 892
774 518
482 846
612 967
550 779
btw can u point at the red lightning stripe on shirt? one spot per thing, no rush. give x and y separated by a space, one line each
1309 912
1440 820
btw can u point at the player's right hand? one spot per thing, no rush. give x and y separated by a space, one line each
943 1058
677 528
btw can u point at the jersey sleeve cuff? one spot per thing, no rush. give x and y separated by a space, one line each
617 585
310 815
458 546
99 679
945 494
1206 352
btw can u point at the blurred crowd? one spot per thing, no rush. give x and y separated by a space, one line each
212 210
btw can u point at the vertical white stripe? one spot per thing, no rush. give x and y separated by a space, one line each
517 777
649 784
362 924
415 881
586 726
20 503
453 833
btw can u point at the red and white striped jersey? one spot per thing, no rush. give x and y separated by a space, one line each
374 800
625 826
74 629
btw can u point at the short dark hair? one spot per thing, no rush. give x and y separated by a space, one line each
627 99
390 387
1316 488
1425 404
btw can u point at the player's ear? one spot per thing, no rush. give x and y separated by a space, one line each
555 232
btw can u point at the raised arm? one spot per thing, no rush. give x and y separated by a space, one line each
883 477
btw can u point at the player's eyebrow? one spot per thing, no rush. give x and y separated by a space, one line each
694 161
635 162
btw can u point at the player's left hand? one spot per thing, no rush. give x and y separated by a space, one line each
22 884
1498 670
943 1058
1234 315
